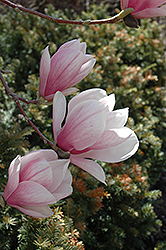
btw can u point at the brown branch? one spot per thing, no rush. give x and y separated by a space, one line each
113 19
11 94
16 98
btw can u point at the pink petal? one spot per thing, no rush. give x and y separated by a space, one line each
29 193
44 71
73 44
69 91
138 5
89 166
90 94
148 13
65 65
37 170
83 72
13 179
84 125
59 168
117 118
37 212
82 47
124 4
65 188
48 154
59 110
117 153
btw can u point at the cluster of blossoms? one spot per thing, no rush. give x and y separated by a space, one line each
92 130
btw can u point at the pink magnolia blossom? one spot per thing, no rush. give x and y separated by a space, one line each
37 180
93 130
68 66
145 8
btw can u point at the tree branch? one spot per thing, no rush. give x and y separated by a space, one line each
113 19
16 98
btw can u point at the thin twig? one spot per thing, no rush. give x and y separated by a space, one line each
113 19
11 94
16 98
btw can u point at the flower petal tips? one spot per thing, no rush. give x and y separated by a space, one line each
145 8
93 130
37 180
68 66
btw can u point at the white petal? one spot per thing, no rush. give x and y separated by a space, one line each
112 138
89 166
117 118
117 153
90 94
59 168
109 102
13 178
59 110
37 212
65 188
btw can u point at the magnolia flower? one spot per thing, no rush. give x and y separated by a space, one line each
37 180
93 130
145 8
68 66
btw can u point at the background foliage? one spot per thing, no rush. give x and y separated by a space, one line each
124 214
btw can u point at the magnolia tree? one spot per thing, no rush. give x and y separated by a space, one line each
90 129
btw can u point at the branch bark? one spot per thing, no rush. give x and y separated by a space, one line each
113 19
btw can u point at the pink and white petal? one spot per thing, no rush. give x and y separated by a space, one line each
109 102
49 97
117 118
59 168
69 91
148 13
37 212
84 125
145 4
90 94
112 138
88 58
124 4
65 188
89 166
73 44
117 153
13 178
29 193
48 154
65 65
59 111
44 71
37 170
82 47
83 72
